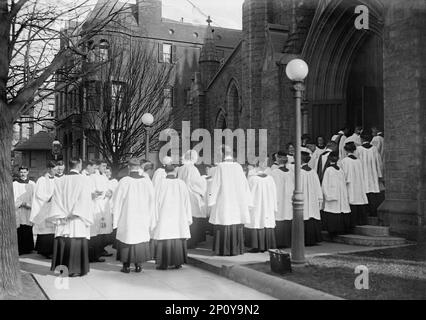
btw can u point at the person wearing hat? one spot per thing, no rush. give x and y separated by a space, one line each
133 212
284 183
172 220
336 216
312 202
197 187
160 173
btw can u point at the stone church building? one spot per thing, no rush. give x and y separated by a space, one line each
374 76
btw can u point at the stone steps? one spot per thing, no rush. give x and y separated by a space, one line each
372 231
364 240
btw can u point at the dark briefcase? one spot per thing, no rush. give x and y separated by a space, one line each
280 261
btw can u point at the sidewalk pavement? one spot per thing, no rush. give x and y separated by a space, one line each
106 282
234 268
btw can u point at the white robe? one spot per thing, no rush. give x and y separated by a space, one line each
354 181
23 193
372 168
335 191
206 207
342 152
41 205
323 157
378 142
72 207
102 206
355 138
159 175
264 195
133 210
173 211
230 196
312 195
284 183
197 186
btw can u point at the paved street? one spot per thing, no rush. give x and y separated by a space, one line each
106 282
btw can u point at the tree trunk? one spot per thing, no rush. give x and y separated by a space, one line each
10 274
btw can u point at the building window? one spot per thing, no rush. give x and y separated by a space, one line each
165 53
91 56
168 99
103 50
93 94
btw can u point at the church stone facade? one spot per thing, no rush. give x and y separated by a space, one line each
372 76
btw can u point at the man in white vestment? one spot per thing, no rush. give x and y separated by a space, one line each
171 224
160 173
133 212
230 199
322 162
197 186
23 189
41 206
72 215
372 169
356 137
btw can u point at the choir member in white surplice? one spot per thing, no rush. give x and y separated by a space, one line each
336 218
323 159
197 187
260 231
160 173
41 206
172 221
112 183
352 167
378 141
72 215
133 211
230 199
284 183
23 190
208 178
342 142
356 136
60 169
312 201
372 168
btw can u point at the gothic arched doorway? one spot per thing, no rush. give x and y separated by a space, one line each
233 105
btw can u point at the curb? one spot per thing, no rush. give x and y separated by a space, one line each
278 288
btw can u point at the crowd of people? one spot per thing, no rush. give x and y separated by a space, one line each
159 215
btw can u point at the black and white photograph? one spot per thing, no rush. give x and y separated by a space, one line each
214 156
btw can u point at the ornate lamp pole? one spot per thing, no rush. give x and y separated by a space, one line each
147 120
296 71
56 149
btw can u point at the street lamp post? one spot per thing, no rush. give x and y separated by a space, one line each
296 71
147 120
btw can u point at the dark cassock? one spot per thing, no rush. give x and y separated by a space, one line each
40 209
336 216
229 199
284 183
72 215
312 201
260 231
171 224
358 202
372 169
133 211
23 193
197 187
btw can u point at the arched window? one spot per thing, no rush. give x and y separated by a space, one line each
233 105
221 122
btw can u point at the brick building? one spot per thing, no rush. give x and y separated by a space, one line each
175 42
367 77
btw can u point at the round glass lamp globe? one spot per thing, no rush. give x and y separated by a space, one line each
297 70
147 119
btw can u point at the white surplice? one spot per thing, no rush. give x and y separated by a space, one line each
354 181
23 193
197 186
284 183
173 210
378 142
312 194
230 196
355 138
371 166
72 207
133 209
42 204
264 195
335 192
102 206
342 152
159 175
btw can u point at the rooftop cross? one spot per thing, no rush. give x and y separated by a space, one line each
209 20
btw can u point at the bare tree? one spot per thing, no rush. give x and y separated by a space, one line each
133 83
30 31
